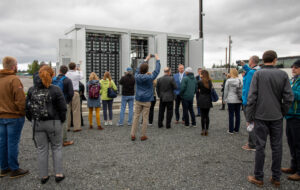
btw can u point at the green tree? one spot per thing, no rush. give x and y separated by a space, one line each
34 67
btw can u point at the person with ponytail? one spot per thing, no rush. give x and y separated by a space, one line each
46 109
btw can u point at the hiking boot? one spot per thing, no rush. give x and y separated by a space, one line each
91 126
294 177
253 180
203 133
288 170
18 173
67 143
143 138
5 172
100 128
274 182
247 147
206 133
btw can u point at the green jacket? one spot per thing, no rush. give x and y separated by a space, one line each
104 86
294 111
188 87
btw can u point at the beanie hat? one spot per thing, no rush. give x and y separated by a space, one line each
189 70
296 64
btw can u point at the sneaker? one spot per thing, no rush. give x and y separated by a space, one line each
4 172
187 126
149 124
253 180
18 173
105 123
119 125
247 147
129 124
230 132
176 122
45 180
195 126
110 123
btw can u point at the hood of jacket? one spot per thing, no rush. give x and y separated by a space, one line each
6 72
94 82
190 75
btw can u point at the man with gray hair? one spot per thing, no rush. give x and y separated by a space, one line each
247 78
187 92
165 90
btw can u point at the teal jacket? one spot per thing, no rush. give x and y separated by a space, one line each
188 87
294 111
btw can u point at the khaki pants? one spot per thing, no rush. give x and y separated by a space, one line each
75 108
140 107
65 124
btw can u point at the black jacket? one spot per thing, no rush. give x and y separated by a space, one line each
204 97
127 82
58 107
165 88
68 88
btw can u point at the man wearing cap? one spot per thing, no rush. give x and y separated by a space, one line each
269 100
293 126
187 92
127 82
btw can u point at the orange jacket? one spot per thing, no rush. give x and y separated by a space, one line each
12 96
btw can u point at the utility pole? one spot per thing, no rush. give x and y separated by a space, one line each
225 57
201 14
229 54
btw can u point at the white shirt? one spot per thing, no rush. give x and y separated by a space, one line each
75 77
180 76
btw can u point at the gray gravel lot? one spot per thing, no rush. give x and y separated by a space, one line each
176 158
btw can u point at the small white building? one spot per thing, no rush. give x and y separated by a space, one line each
99 49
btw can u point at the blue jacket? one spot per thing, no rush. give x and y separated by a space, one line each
178 84
144 84
247 81
294 111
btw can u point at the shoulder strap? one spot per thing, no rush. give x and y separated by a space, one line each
62 78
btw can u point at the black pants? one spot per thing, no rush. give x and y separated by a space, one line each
234 110
293 137
178 100
151 112
205 118
162 107
262 130
188 107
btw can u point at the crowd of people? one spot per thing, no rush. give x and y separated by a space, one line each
265 94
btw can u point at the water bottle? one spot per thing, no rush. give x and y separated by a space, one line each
250 127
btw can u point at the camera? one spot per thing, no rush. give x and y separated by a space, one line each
152 55
238 62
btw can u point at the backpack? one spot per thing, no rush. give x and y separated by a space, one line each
59 82
94 91
38 104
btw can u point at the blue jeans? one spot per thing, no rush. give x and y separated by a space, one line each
107 104
234 109
10 133
125 100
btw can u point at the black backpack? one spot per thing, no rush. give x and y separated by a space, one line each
40 104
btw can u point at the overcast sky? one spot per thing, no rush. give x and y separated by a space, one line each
30 29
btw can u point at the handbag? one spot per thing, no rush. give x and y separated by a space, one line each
214 95
111 93
239 91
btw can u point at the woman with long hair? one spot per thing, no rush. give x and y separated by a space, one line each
231 97
107 102
204 100
93 91
46 108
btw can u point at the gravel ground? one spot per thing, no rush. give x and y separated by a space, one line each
176 158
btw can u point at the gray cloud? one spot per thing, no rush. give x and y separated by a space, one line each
30 29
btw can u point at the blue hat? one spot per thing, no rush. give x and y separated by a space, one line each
129 69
